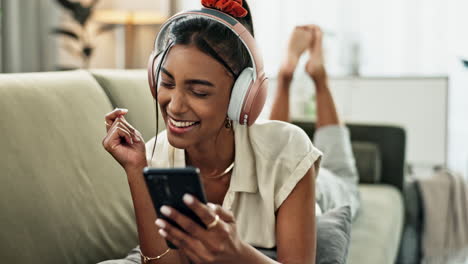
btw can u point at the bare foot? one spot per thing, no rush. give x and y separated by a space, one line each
315 66
299 41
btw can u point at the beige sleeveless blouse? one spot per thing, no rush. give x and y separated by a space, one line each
270 159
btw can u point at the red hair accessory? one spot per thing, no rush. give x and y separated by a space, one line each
231 7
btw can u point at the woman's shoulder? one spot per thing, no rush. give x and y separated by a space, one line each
282 154
161 141
277 139
274 127
162 136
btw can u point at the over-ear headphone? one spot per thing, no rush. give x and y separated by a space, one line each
250 88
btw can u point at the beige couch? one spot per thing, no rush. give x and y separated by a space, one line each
63 199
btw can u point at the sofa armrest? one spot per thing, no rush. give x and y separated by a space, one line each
410 246
391 142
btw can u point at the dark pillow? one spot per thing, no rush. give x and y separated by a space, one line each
368 161
333 237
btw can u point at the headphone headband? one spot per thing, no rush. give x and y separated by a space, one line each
235 26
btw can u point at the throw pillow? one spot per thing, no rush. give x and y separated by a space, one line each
333 237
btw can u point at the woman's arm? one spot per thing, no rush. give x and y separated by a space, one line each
127 146
295 227
295 223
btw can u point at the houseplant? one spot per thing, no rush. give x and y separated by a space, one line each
82 34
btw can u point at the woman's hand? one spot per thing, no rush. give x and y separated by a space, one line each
217 244
123 141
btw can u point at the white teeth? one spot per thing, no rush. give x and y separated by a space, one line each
180 124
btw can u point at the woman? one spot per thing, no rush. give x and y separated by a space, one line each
267 198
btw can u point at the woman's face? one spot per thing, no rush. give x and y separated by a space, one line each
194 92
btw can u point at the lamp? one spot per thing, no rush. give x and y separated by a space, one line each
129 19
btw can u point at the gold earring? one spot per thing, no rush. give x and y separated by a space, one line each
228 123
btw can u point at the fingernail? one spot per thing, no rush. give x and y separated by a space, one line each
160 223
212 206
188 199
137 139
123 109
165 210
162 233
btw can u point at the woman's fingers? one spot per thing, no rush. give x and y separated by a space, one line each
110 117
114 136
122 133
183 221
135 133
194 229
225 215
205 213
123 124
117 115
190 245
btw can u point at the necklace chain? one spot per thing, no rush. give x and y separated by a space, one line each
226 171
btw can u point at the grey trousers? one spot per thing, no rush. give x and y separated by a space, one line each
337 180
336 183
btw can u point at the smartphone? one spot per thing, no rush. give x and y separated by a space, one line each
168 186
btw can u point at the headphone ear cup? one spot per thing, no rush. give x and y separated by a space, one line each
239 93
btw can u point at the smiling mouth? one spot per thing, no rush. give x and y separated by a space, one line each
182 124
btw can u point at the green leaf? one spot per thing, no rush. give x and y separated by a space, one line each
66 32
79 12
69 5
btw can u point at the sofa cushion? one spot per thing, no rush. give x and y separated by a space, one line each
63 198
368 161
129 89
376 231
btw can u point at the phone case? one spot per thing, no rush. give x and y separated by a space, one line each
168 186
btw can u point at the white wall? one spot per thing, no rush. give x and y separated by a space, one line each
458 98
385 101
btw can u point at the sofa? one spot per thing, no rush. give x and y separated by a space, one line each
63 199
